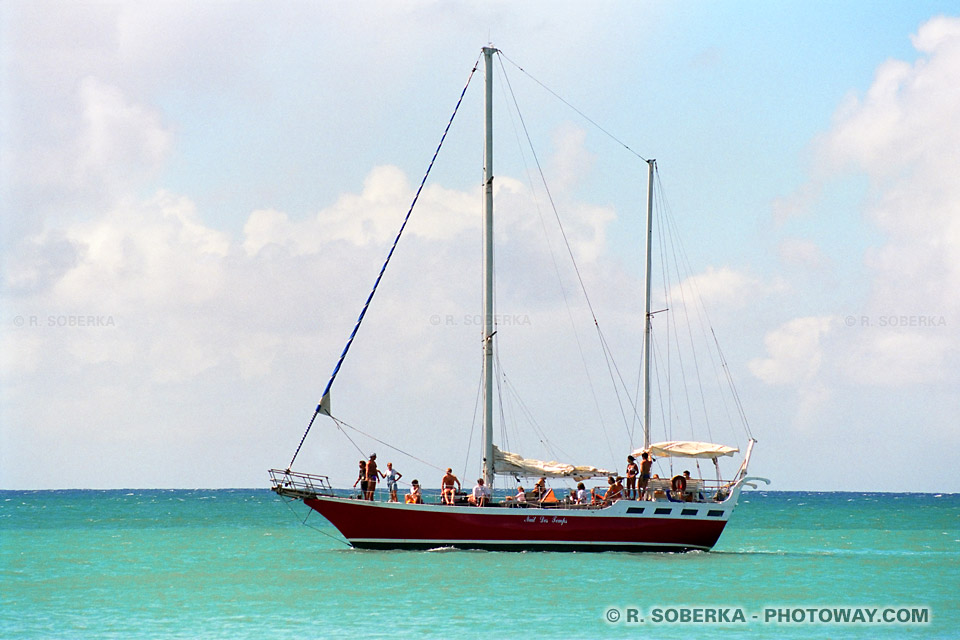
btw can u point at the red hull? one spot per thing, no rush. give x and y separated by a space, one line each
625 526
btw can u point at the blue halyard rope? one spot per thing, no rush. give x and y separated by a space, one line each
363 311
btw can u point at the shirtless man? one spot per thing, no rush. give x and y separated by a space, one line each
646 464
612 493
447 492
373 475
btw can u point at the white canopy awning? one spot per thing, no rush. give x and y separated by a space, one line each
685 449
512 464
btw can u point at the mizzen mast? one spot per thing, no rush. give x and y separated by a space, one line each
647 317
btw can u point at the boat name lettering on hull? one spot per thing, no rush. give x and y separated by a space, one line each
545 520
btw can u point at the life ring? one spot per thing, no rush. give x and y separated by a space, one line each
679 484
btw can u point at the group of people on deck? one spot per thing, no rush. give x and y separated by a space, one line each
370 475
638 478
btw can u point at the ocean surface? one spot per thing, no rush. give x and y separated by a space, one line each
244 564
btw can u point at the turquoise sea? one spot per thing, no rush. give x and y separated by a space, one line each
242 564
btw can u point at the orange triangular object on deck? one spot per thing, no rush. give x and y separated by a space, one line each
549 496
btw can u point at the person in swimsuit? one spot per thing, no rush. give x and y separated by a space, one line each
362 479
373 475
392 476
540 489
447 493
612 493
632 472
646 463
415 496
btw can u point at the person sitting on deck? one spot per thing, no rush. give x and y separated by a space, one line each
613 493
447 493
582 495
480 495
617 489
540 488
689 495
658 494
415 496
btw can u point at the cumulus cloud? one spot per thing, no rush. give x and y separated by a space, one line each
721 286
902 135
803 253
795 354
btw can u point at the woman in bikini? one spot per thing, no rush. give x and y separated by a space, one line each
632 472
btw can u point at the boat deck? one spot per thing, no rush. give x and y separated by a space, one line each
299 486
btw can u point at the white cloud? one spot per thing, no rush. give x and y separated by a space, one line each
803 253
794 352
795 355
117 137
902 135
721 286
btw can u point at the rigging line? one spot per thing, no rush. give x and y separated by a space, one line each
366 305
553 259
581 113
673 319
347 435
699 308
553 205
504 435
525 411
664 413
473 423
612 367
387 444
733 388
307 517
563 232
704 316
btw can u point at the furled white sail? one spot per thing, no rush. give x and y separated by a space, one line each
686 449
512 464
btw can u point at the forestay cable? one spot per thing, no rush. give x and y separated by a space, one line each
325 398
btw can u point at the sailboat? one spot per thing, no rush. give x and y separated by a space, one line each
675 514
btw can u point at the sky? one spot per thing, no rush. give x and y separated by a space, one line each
195 199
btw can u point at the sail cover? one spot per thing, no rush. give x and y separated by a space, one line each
512 464
685 449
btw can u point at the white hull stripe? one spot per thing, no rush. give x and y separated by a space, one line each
450 543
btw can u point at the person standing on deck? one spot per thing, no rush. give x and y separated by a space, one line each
646 464
362 479
392 476
373 476
632 472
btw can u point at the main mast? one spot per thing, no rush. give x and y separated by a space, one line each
651 164
488 470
